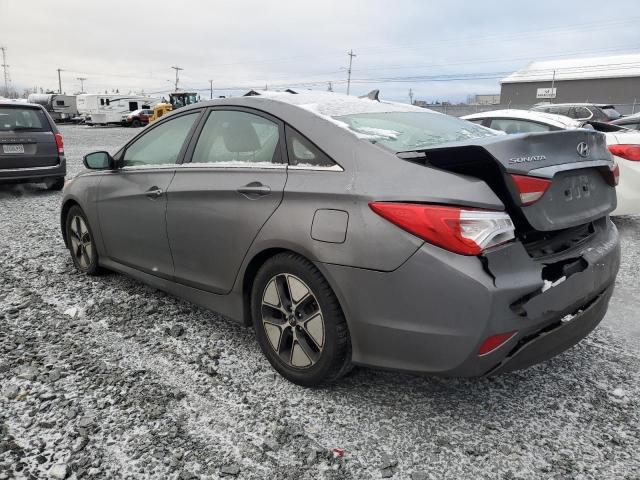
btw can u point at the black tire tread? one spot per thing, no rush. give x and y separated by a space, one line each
341 364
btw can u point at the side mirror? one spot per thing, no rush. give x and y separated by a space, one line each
99 161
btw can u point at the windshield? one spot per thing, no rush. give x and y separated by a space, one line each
402 131
15 119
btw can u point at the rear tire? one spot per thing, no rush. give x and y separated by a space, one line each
55 184
136 123
81 242
299 323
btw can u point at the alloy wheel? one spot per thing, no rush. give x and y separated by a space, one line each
293 321
81 244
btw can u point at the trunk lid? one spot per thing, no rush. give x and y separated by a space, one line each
26 138
576 162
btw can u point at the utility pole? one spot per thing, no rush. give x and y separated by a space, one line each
351 55
59 81
82 79
411 96
211 89
553 83
5 68
177 69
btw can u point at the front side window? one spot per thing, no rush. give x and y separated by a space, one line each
511 125
231 137
160 145
402 131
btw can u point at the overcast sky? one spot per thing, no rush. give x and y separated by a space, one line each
131 45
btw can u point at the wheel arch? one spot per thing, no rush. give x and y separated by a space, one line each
249 275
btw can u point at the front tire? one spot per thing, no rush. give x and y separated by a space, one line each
81 242
298 322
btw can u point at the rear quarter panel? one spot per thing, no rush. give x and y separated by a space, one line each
371 173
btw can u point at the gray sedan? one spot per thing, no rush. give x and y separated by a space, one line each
356 231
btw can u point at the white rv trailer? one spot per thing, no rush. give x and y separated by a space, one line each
105 109
61 107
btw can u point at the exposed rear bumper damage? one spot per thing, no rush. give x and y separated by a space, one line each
433 313
557 337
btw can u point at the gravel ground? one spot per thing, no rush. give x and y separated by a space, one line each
106 378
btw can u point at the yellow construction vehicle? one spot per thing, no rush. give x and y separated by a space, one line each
176 100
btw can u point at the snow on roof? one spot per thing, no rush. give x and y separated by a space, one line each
615 66
331 104
559 121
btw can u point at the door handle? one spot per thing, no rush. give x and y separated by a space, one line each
154 192
254 189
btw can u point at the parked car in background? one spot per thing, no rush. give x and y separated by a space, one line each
31 147
355 230
623 144
632 122
137 118
581 111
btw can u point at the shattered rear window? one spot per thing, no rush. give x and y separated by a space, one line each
402 131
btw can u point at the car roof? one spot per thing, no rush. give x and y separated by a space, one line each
320 103
5 102
577 104
553 119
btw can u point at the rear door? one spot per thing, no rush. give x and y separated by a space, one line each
219 201
132 200
26 138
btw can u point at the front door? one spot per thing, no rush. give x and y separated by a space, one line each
132 200
219 201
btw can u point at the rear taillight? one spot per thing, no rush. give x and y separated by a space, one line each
459 230
628 152
531 189
494 341
59 143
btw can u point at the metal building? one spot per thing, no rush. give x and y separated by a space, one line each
613 80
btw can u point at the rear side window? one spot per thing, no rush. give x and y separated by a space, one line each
160 145
233 137
303 153
509 125
18 119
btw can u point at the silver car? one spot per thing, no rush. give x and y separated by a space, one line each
356 231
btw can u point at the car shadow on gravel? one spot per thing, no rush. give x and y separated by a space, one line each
16 190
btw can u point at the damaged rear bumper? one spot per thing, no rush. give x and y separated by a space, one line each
432 314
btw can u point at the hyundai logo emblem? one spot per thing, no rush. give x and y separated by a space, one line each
583 149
